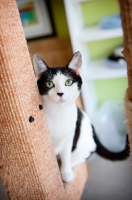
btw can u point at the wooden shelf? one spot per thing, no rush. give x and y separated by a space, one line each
95 33
98 70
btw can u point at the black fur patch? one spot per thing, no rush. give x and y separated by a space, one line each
49 74
77 130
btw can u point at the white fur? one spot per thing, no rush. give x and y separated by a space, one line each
61 115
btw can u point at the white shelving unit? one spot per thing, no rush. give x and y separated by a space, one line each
98 71
95 33
92 70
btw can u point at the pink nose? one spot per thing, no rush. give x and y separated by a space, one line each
60 94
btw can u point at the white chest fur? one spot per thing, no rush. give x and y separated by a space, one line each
61 120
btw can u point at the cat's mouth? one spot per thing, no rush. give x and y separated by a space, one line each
62 100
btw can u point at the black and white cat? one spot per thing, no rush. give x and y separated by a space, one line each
69 127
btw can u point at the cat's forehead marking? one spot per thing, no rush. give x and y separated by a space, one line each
59 77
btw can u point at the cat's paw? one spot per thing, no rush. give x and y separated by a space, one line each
67 176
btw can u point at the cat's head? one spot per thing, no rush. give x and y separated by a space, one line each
60 84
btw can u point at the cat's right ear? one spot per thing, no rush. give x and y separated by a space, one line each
39 66
76 62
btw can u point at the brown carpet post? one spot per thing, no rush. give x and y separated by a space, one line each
28 166
126 16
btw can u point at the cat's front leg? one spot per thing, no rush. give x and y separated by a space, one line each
66 169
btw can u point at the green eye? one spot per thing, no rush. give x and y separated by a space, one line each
69 82
49 84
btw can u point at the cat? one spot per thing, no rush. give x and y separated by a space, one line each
69 127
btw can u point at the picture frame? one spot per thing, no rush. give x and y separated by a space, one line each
36 18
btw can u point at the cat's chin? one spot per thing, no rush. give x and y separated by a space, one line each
62 102
56 101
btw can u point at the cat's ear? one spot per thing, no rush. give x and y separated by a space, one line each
76 62
39 66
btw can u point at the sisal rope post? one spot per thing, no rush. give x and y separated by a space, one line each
126 16
28 167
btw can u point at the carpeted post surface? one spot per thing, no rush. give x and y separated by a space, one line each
126 16
28 167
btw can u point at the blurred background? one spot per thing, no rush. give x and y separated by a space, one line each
55 29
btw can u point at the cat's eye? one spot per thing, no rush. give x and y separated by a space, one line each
69 82
49 84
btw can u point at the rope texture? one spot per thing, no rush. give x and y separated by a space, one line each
28 167
126 16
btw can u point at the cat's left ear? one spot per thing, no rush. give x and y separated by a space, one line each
76 62
39 66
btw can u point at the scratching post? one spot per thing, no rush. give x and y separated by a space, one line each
126 15
27 163
28 166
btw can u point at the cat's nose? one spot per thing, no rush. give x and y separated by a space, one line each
60 94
